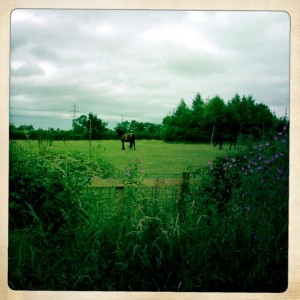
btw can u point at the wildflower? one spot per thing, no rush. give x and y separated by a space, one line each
275 138
267 144
142 171
279 171
283 140
210 162
233 159
246 208
211 168
128 174
260 157
245 194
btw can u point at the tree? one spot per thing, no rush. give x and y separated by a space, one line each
196 119
89 126
215 115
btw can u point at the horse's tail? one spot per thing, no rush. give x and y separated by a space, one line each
133 137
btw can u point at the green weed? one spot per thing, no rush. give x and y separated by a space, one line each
233 237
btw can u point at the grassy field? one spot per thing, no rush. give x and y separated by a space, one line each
229 233
158 159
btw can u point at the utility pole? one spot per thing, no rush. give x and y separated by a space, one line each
75 111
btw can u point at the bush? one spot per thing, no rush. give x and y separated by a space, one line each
250 191
233 236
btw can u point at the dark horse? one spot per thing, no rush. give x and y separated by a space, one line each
231 137
126 137
219 139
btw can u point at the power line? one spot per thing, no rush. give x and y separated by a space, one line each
75 111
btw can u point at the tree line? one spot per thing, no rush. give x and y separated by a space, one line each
204 121
207 119
86 127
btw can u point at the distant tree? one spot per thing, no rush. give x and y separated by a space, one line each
124 125
196 119
214 116
89 126
175 126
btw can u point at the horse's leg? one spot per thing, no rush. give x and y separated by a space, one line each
134 144
123 148
221 145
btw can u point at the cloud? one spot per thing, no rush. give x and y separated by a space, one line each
28 70
139 64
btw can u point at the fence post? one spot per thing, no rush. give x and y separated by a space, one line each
119 196
182 195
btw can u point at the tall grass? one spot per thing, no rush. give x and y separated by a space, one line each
230 233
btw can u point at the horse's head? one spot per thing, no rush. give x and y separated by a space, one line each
119 132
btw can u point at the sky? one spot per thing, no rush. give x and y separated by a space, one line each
125 65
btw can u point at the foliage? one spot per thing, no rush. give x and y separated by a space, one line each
141 130
233 238
204 119
43 187
90 126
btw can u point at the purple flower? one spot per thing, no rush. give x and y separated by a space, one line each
275 138
246 208
279 171
233 159
210 162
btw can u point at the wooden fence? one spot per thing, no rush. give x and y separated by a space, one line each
183 185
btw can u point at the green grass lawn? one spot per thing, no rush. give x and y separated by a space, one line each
158 159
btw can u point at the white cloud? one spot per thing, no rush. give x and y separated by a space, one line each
139 64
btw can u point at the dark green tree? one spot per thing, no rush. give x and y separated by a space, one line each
214 116
89 126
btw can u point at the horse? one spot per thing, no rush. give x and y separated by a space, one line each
219 139
126 137
231 137
233 141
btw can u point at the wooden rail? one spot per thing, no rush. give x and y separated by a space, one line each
97 182
183 184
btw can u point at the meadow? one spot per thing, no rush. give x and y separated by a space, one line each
158 159
228 233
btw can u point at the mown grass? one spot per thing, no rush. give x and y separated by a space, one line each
227 234
159 159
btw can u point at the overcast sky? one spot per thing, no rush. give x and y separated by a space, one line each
138 65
